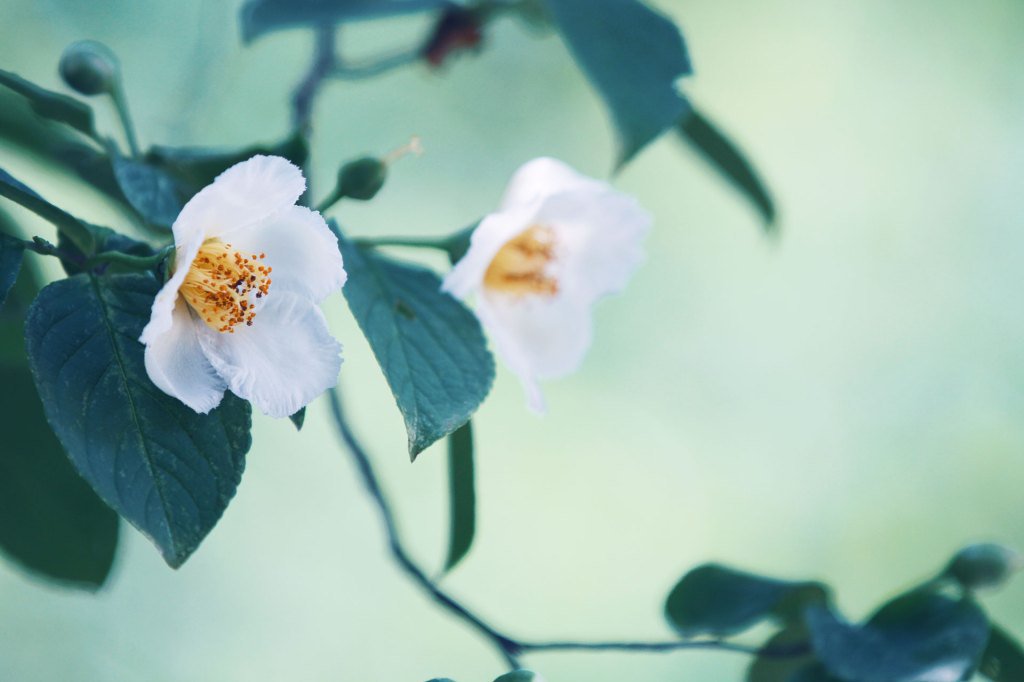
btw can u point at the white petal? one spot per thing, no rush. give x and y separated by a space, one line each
541 178
176 364
243 194
283 361
160 318
487 239
537 337
300 248
599 236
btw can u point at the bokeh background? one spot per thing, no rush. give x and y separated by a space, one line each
845 402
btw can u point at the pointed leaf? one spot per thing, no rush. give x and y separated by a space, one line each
922 636
728 160
264 16
51 522
633 55
51 105
461 494
429 345
1003 660
298 419
11 251
720 601
76 230
164 468
150 191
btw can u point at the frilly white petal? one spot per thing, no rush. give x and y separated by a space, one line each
300 248
160 318
176 364
282 362
487 239
242 195
543 177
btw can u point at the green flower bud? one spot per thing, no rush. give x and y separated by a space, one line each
90 68
984 565
362 179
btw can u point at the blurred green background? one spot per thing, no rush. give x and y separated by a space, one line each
845 403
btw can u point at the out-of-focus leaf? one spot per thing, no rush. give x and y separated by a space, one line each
921 636
633 55
264 16
11 251
462 495
51 522
728 160
298 419
197 167
150 191
429 345
720 601
1003 659
76 230
166 469
774 664
520 676
51 105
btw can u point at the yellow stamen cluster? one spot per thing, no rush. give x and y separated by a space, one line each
521 266
221 284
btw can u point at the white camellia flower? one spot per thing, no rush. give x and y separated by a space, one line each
240 310
559 242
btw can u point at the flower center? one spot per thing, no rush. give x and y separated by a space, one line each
521 266
221 284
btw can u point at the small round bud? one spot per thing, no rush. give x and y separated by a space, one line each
362 179
89 67
984 565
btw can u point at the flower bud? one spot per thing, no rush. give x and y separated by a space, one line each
984 565
89 67
362 179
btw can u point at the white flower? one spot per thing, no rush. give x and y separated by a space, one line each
559 242
240 309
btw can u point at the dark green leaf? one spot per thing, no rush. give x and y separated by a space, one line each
51 105
298 419
726 157
197 167
633 55
1003 660
264 16
149 190
11 251
51 522
441 679
720 601
167 470
782 656
462 495
921 636
519 676
77 231
430 346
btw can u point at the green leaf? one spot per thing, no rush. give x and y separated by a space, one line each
197 167
429 345
633 55
11 251
772 665
150 191
51 522
519 676
298 419
77 231
264 16
1003 659
166 469
726 157
462 495
720 601
52 105
919 636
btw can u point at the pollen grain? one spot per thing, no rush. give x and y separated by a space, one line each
222 283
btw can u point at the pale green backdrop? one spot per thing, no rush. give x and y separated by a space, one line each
846 402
